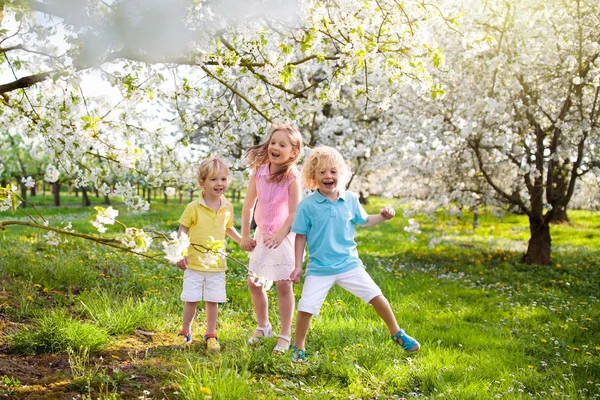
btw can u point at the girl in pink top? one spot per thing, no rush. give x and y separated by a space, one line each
275 192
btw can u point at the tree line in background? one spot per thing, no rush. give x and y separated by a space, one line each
445 104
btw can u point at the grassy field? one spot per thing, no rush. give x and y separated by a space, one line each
489 326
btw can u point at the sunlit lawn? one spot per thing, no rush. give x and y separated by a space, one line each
489 326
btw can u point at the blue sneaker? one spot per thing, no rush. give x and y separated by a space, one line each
297 354
409 344
184 338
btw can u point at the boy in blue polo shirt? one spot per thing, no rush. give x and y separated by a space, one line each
325 221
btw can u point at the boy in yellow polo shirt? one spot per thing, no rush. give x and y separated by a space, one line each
206 221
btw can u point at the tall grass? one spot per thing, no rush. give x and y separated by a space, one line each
57 332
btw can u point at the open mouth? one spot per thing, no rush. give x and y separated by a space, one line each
328 184
274 155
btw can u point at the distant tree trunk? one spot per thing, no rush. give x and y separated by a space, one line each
362 198
107 200
191 196
149 195
44 189
97 192
33 191
76 192
69 187
475 219
538 249
56 193
23 194
165 197
559 216
180 195
85 198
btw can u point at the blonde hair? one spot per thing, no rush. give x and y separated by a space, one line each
258 155
211 167
322 158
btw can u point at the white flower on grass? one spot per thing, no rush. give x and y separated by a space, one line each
176 249
170 191
52 239
52 174
433 242
29 181
413 227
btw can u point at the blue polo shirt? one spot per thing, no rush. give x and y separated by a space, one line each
329 230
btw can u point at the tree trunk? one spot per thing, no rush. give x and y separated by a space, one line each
85 198
23 194
362 199
559 216
538 249
191 196
107 200
475 219
33 191
180 195
165 197
149 195
76 192
56 193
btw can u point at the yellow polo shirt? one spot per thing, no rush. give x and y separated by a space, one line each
205 225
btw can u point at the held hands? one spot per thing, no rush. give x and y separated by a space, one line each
387 212
182 264
273 241
247 243
296 274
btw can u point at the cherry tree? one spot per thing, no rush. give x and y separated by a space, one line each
522 102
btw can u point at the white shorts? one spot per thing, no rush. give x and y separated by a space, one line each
357 281
207 286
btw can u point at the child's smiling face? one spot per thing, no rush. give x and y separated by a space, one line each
281 149
214 186
327 181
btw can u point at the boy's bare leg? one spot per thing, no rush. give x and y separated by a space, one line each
384 310
189 312
302 325
212 311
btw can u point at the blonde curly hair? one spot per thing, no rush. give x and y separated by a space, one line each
322 158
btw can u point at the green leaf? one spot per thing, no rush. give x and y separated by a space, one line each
438 59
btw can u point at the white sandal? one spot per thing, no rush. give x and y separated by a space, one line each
282 349
267 332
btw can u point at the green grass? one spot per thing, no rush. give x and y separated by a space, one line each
489 326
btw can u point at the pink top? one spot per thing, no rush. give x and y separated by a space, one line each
272 207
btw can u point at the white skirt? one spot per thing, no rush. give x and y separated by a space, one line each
273 264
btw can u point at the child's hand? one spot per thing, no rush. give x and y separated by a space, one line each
296 274
182 264
273 241
247 243
387 212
